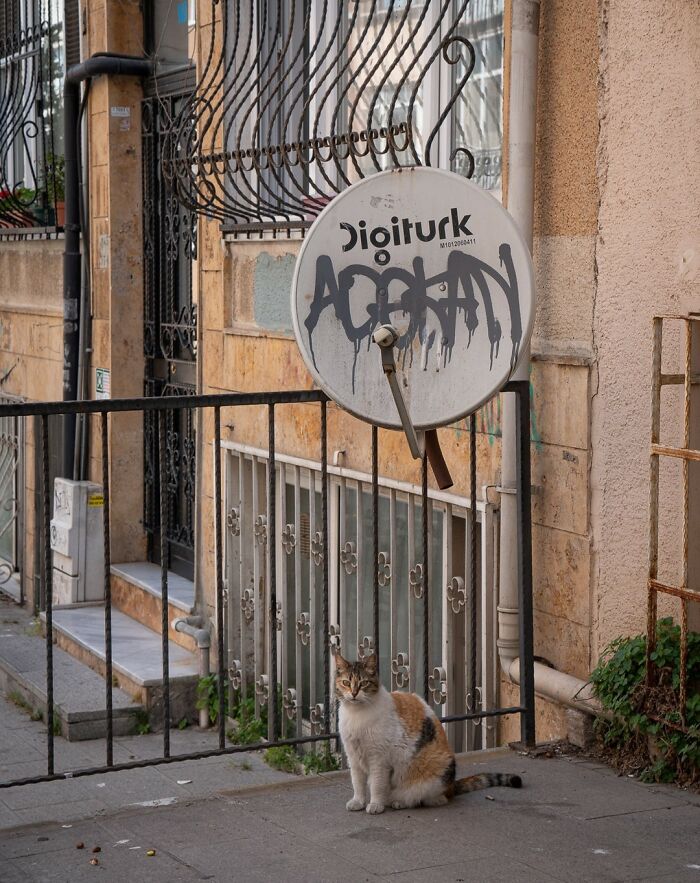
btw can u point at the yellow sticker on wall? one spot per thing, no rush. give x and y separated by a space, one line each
96 500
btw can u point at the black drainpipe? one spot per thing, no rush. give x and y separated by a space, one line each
100 63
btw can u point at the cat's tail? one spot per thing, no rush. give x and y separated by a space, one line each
487 780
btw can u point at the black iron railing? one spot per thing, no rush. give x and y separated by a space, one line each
298 100
160 408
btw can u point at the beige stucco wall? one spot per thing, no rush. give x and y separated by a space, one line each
647 256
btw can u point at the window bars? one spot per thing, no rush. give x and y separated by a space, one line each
296 101
32 65
265 511
462 551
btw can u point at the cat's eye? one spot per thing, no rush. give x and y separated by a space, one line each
345 683
364 683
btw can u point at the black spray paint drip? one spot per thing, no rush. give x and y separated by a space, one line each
463 270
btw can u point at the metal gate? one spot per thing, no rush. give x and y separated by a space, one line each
11 509
170 338
274 536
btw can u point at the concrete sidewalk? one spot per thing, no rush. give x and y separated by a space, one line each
573 820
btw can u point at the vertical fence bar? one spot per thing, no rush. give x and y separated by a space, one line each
375 541
48 592
108 588
272 548
683 673
412 656
163 499
527 680
426 579
393 592
342 603
313 610
360 596
298 658
654 495
243 553
219 579
258 616
473 613
326 554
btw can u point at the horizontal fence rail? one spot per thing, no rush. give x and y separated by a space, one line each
309 559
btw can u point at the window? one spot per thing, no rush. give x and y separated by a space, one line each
298 100
34 38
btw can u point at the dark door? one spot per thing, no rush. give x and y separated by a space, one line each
170 338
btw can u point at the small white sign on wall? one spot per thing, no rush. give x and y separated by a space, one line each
103 385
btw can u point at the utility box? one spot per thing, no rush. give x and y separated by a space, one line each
77 542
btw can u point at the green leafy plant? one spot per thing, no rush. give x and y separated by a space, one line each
208 696
284 758
322 761
647 733
183 724
141 722
248 728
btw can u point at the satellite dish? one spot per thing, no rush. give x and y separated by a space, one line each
423 266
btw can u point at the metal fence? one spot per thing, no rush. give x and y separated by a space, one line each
278 658
11 497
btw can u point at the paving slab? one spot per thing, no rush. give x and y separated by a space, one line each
79 693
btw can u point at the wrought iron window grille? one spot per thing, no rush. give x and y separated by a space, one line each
34 35
296 101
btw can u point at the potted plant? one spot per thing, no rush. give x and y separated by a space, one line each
55 177
16 207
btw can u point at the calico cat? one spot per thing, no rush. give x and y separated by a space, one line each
397 748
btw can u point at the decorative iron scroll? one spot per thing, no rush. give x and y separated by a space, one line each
296 101
31 151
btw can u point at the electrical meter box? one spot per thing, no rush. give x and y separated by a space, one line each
77 542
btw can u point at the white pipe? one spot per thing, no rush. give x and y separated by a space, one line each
192 626
561 688
522 107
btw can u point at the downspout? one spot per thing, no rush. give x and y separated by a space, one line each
99 64
521 124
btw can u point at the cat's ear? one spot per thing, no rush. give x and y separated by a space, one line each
340 663
371 663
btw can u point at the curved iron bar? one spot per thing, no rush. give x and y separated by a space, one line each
295 101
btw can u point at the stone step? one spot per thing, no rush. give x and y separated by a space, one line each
136 659
78 692
136 591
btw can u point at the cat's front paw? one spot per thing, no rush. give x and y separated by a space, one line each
354 804
375 808
399 804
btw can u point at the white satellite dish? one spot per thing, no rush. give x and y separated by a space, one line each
425 265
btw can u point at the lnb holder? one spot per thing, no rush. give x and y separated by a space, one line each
419 442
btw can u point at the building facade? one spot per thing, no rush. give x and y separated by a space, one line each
198 184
